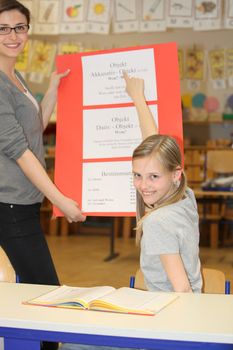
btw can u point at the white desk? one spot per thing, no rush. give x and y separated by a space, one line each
192 318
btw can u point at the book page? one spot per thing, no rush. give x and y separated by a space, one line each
70 295
133 300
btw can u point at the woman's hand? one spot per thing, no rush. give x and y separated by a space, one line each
55 79
36 173
71 210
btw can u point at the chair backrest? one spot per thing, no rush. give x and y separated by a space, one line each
213 281
7 273
219 162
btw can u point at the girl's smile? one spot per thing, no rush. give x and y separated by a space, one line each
152 180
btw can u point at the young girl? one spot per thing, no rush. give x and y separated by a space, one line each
168 223
167 215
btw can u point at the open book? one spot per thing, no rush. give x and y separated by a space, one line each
104 298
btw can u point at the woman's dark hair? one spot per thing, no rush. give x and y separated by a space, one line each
8 5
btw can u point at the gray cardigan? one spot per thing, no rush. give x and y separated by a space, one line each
21 128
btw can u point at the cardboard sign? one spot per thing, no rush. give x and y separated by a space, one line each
97 123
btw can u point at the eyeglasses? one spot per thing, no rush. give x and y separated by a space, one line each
18 29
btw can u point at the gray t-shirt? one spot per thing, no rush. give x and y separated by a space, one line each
173 229
20 128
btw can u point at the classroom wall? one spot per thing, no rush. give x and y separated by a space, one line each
185 38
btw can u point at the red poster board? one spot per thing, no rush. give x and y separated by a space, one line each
69 134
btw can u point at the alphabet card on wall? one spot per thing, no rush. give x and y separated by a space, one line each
98 127
31 5
207 15
152 16
73 15
48 17
125 17
99 16
180 13
228 14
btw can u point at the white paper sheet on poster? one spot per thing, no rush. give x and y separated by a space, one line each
107 187
112 131
102 76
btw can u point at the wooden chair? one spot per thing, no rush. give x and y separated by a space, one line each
218 163
214 281
7 273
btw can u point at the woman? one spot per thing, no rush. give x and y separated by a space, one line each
23 180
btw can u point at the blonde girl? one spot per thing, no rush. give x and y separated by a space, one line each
167 229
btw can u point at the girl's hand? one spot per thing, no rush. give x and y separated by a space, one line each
134 87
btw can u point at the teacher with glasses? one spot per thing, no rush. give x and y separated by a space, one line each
23 180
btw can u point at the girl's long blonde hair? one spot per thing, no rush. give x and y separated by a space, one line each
167 151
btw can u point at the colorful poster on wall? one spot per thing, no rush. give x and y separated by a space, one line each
229 66
68 47
194 70
217 68
181 63
42 60
22 63
97 123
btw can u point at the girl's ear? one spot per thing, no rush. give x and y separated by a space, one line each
177 175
